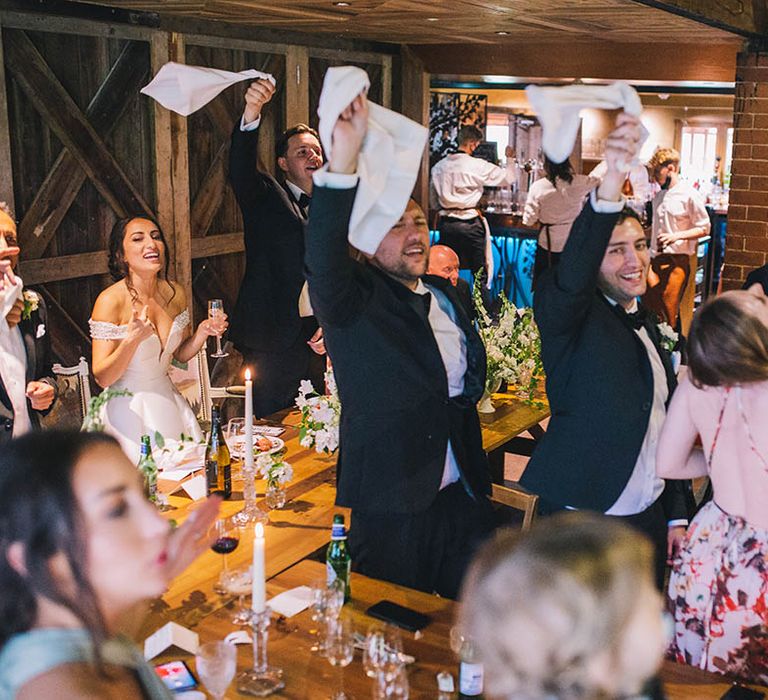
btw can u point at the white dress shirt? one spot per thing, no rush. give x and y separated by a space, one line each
457 183
679 208
13 363
452 344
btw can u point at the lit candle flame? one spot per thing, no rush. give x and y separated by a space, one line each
259 530
248 375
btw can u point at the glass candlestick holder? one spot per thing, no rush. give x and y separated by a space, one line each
262 679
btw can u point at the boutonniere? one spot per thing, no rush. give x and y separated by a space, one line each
40 331
31 303
667 336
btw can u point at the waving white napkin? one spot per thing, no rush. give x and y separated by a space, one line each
388 162
185 89
558 111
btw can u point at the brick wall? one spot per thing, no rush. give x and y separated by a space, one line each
747 240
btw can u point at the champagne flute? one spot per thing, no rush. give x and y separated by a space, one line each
215 312
216 663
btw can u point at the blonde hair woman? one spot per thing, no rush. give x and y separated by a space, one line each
567 611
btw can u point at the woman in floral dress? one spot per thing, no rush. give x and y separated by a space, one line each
719 585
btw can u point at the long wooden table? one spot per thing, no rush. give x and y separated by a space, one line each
309 677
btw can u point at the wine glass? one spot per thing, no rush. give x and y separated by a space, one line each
340 650
383 660
238 583
319 591
216 663
225 534
215 312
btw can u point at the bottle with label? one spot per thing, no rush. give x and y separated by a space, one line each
148 469
470 670
218 464
338 560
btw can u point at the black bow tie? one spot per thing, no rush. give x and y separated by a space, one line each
636 319
304 200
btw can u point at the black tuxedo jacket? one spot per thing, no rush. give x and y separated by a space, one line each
599 382
396 416
38 369
266 315
758 276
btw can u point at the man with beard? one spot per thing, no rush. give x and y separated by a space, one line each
409 368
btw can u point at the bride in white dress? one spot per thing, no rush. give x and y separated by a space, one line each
138 326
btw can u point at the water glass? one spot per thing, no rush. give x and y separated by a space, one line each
216 663
340 649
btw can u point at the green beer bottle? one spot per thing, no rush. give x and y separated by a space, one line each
218 464
148 469
338 560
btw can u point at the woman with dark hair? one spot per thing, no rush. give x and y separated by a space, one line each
81 548
138 326
719 585
553 204
565 611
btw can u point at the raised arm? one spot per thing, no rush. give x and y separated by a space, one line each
247 182
336 285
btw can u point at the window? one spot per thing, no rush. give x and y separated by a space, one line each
698 153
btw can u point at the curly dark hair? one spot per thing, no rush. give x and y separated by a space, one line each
563 170
118 268
39 511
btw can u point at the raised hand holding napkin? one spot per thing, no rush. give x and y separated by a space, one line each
185 89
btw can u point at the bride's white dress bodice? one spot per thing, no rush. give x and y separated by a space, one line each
155 404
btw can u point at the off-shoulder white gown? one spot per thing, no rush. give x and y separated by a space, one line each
155 405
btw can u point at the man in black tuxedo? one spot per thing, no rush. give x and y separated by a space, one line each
27 385
280 340
608 380
758 276
409 368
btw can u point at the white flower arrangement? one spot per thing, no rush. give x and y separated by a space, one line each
512 345
274 469
320 415
668 337
31 303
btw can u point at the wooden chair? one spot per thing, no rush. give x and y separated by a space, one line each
74 394
514 496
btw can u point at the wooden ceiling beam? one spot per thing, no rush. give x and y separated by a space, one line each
603 60
746 17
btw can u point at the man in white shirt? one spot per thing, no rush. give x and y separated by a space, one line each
27 385
680 219
608 379
276 334
456 185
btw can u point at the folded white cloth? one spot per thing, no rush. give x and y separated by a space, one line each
558 111
185 89
388 162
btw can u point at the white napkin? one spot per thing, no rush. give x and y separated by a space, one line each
291 602
558 111
185 89
388 162
176 455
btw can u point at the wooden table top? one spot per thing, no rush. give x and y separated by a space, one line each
512 417
309 677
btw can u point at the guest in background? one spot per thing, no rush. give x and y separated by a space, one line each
272 324
27 385
444 262
565 611
456 185
80 549
608 379
410 368
553 204
719 583
139 325
680 219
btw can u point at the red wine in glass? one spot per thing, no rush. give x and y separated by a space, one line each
225 544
